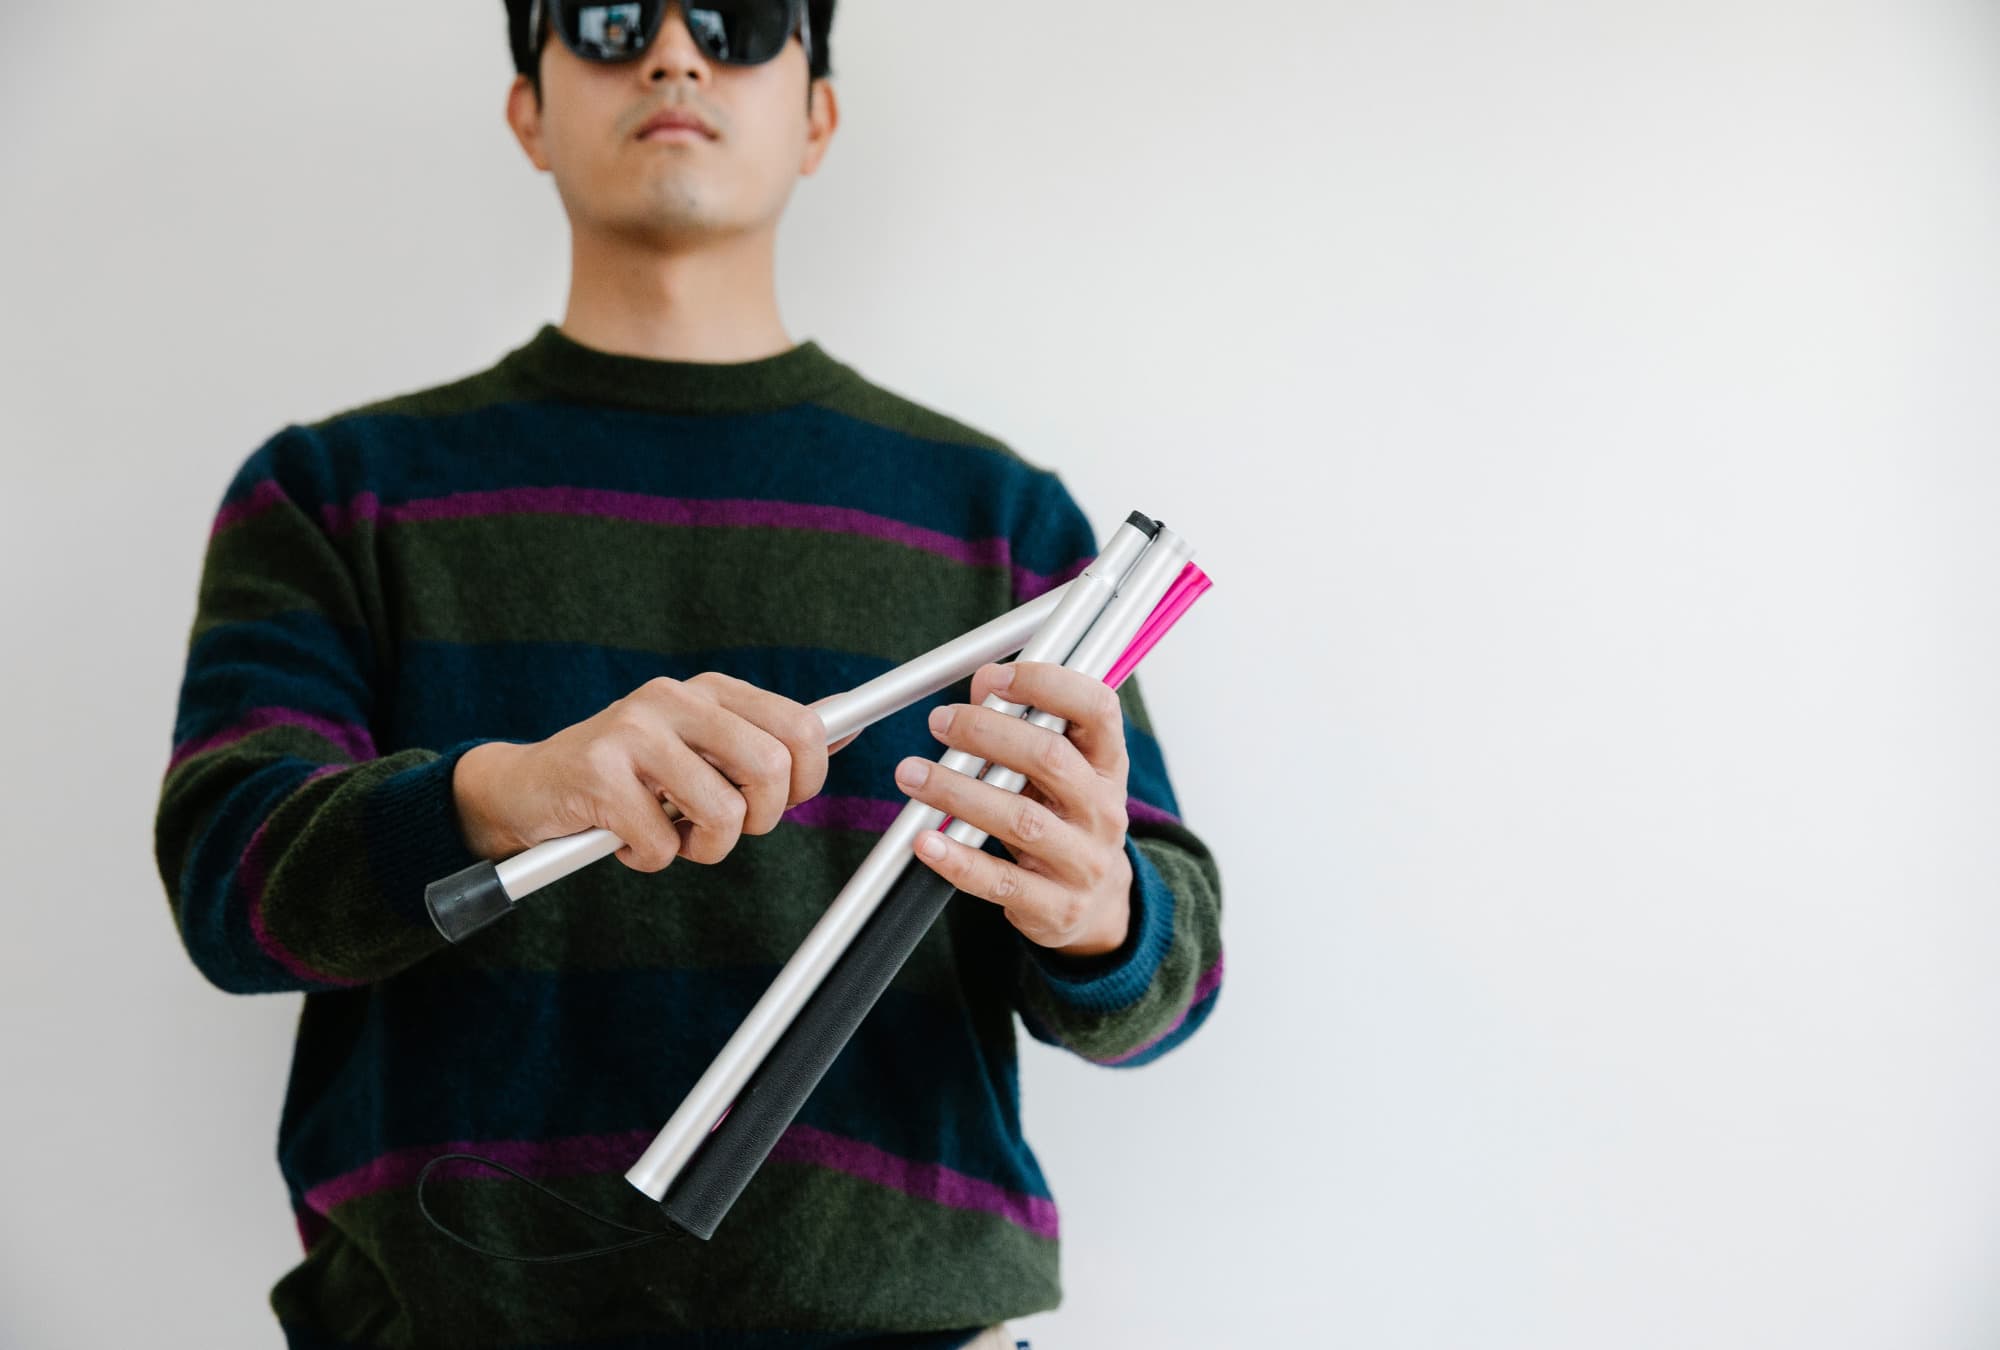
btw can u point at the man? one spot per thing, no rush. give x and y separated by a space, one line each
593 578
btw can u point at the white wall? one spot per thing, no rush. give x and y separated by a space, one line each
1587 413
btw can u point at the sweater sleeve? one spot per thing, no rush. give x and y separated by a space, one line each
1126 1007
294 855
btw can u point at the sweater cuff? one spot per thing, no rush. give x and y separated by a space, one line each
413 832
1115 979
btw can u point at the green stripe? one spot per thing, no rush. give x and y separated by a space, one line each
268 564
468 394
634 585
753 908
867 1257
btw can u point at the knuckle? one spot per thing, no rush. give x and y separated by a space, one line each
771 761
1031 822
1110 710
1006 886
1098 875
1068 913
709 683
1054 757
629 722
808 727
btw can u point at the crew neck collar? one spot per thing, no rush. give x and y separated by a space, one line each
560 364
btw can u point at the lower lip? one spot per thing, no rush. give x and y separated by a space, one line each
674 134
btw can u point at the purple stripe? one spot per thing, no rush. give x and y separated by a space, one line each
1210 981
931 1181
338 519
846 813
352 739
260 498
712 511
595 1154
570 1155
251 872
724 512
1028 585
1146 811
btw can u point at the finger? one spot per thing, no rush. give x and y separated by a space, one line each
1092 708
1028 828
649 840
1041 909
796 726
1048 759
714 807
708 713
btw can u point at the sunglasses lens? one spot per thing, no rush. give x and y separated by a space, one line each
741 32
610 32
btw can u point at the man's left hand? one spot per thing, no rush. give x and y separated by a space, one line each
1070 884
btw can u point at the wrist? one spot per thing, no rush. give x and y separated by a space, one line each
1116 923
472 790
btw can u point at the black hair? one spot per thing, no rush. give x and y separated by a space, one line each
819 20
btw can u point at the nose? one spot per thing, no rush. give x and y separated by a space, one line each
674 54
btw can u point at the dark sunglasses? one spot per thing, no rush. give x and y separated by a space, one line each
734 32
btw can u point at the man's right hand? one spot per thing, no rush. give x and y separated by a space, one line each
730 756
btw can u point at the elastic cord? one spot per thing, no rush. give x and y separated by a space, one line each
649 1235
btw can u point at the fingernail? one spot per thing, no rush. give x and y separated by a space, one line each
931 847
1003 675
940 718
912 772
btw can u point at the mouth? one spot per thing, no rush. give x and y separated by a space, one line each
674 126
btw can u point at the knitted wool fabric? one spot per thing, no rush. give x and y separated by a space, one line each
497 558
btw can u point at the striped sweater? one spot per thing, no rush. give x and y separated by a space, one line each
496 558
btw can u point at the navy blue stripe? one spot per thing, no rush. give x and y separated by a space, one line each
217 935
293 457
296 659
806 453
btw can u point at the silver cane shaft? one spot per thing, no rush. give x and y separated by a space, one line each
467 901
739 1057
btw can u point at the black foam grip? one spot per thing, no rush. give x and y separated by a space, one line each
466 901
712 1179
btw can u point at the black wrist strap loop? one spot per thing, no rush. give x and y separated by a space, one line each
647 1235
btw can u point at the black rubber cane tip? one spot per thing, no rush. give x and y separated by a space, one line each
1144 522
465 902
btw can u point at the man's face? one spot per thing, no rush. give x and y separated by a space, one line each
672 184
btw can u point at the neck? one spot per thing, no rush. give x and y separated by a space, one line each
715 301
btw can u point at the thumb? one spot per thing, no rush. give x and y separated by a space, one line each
831 749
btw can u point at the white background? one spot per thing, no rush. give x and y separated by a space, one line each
1587 413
